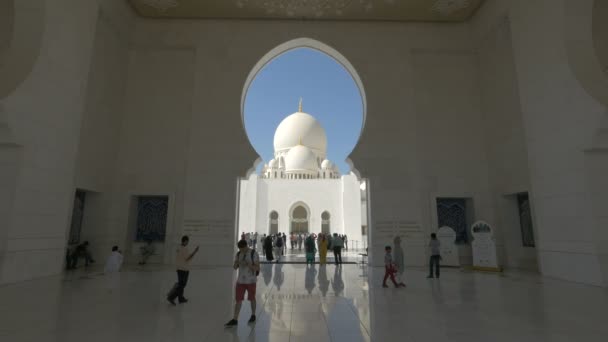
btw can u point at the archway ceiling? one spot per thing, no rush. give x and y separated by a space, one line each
360 10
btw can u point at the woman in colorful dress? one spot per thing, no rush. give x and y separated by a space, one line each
323 246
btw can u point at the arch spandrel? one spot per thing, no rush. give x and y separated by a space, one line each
21 30
580 44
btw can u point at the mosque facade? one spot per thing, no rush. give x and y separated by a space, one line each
300 190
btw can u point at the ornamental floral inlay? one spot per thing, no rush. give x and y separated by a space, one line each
447 7
161 5
294 8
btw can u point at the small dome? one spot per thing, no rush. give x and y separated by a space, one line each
326 164
301 158
272 164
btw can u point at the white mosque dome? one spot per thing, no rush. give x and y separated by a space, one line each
300 128
272 164
326 164
301 158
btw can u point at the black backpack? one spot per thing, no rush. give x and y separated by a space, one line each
257 273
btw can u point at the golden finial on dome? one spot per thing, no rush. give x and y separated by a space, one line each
300 141
300 106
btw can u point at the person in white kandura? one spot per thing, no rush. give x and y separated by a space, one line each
112 268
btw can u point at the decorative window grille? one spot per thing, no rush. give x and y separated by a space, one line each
151 218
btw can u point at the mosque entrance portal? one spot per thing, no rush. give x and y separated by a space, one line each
274 223
299 220
325 223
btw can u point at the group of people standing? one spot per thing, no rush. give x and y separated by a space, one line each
324 242
297 240
274 246
251 239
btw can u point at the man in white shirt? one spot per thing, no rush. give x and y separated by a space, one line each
434 247
182 263
112 269
247 261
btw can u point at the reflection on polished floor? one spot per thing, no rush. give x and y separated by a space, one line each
299 303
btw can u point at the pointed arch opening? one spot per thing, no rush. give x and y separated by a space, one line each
273 223
299 218
325 223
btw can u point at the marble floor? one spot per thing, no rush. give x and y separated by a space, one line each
299 303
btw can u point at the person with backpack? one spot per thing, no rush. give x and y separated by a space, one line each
278 246
247 262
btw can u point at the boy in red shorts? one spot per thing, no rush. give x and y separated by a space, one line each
247 261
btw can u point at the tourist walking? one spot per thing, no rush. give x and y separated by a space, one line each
299 240
182 263
345 238
399 261
434 245
337 245
389 267
323 244
255 240
247 262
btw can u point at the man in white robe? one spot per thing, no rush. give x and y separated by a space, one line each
112 268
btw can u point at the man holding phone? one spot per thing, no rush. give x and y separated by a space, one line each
182 263
247 261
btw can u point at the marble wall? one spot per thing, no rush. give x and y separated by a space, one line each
44 114
505 142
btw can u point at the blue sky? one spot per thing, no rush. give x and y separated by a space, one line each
328 92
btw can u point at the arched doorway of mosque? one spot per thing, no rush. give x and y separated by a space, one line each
325 223
299 220
274 223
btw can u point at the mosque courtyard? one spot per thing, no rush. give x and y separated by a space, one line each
300 303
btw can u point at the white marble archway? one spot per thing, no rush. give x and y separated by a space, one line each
21 30
296 43
585 37
21 27
292 216
580 43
